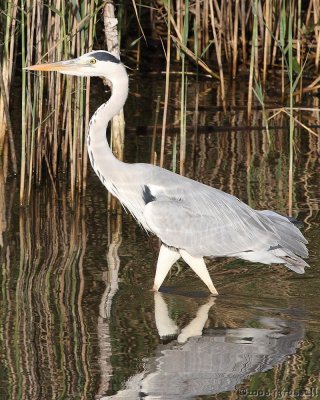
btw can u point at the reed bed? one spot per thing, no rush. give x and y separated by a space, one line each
244 35
248 39
55 110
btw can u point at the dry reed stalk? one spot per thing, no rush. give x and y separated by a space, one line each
204 28
87 98
179 23
260 25
23 112
166 95
298 35
292 124
197 31
267 39
260 20
253 60
7 51
235 40
183 126
312 132
275 47
243 31
179 42
223 27
154 133
8 124
191 55
316 17
218 54
183 97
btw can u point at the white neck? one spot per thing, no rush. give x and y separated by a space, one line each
102 160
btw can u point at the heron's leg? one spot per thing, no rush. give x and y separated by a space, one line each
195 327
167 257
165 325
199 267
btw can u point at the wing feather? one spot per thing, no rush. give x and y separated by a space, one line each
200 219
205 221
179 226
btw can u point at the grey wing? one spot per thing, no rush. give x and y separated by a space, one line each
180 226
205 221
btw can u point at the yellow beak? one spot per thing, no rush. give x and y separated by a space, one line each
60 66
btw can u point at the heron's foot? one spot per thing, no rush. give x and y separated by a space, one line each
213 290
155 288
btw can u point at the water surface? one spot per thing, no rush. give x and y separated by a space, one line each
78 319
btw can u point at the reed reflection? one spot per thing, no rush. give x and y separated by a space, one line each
45 342
110 278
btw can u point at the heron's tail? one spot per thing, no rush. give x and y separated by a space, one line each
292 261
276 255
291 248
289 235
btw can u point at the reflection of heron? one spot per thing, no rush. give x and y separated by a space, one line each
191 219
212 363
166 326
220 360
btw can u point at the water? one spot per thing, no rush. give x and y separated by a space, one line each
78 319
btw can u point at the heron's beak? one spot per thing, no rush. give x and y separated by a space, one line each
65 67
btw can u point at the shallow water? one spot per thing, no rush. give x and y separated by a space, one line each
78 320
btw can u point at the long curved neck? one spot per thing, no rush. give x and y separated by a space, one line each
102 160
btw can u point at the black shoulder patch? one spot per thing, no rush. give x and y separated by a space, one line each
147 196
278 246
105 56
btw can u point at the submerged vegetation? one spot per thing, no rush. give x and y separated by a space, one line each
274 45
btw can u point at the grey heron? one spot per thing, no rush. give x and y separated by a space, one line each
191 219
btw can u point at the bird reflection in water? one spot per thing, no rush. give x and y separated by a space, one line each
194 361
168 329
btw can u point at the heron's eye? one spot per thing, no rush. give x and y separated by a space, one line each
93 61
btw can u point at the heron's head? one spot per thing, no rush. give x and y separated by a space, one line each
95 63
